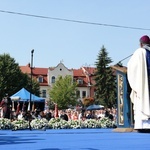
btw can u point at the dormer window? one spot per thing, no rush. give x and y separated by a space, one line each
53 79
40 79
80 81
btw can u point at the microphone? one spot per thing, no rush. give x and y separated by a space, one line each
120 62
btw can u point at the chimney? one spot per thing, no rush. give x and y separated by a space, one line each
28 65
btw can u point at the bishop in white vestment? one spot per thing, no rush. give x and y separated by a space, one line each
138 73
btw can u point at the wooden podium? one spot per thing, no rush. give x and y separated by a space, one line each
124 104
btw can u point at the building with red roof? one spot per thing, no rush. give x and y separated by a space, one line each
47 76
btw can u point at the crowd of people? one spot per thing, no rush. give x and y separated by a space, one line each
68 114
6 111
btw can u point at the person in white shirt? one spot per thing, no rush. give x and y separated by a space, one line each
20 115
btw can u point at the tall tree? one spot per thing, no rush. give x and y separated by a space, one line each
11 77
105 81
63 92
26 83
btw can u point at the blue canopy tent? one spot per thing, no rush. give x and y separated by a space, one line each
24 96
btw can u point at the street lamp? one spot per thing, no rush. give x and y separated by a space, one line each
31 68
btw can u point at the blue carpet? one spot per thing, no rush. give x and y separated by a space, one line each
77 139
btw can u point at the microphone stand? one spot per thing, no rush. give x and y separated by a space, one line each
120 62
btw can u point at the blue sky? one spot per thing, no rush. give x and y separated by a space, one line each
75 44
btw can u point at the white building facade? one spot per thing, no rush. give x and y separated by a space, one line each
55 72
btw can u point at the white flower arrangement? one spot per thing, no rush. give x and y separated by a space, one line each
79 124
39 123
92 123
56 123
106 123
74 124
5 124
20 124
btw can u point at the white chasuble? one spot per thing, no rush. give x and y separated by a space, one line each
138 81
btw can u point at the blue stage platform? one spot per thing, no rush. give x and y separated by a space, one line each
77 139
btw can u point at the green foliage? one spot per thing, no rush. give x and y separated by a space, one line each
35 87
11 77
63 92
105 80
26 83
10 74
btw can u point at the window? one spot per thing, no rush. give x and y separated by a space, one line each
53 79
78 94
83 94
40 79
44 93
80 81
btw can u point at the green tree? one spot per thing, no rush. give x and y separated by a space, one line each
26 83
11 77
105 80
63 92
